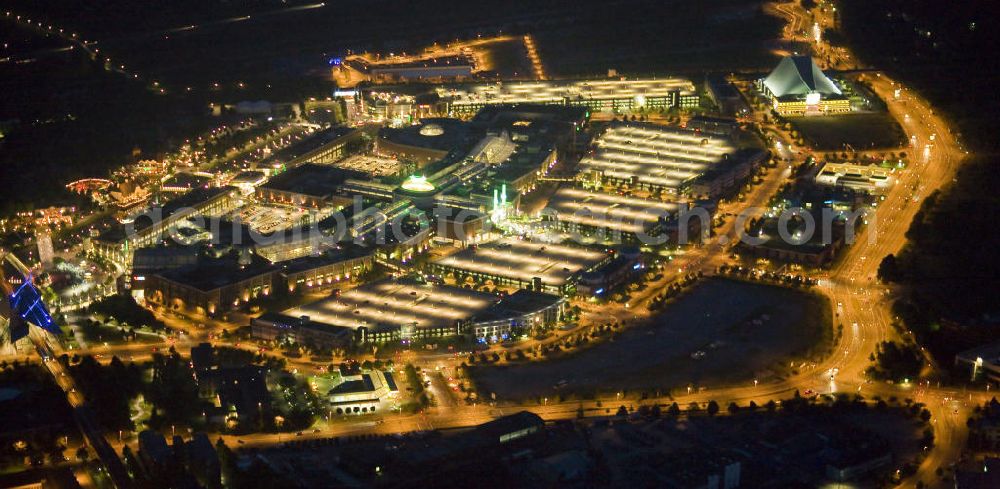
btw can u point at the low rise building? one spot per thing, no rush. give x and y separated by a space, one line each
399 310
652 157
609 95
448 68
982 362
460 226
212 286
362 393
508 428
616 273
872 179
725 96
153 226
544 267
272 326
147 261
523 168
326 270
518 314
812 253
728 175
308 185
325 146
616 218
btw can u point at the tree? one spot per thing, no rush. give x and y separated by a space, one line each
713 408
173 389
771 406
674 410
896 361
733 408
928 439
925 415
888 269
834 37
622 411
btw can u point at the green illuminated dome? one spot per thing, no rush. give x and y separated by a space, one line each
417 183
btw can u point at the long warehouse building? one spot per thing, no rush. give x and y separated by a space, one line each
653 157
545 267
599 95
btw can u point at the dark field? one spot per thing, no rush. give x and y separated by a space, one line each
660 356
860 131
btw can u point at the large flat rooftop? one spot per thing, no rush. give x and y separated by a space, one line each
375 166
212 274
399 303
517 259
311 179
438 133
660 156
308 144
541 92
609 211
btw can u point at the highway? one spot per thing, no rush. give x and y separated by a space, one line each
83 414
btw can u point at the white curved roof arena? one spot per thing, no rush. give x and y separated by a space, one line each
799 75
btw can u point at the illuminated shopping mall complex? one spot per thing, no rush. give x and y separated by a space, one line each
598 95
485 221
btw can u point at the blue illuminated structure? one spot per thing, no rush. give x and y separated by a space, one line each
26 302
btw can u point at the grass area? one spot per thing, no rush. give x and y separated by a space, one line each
697 340
860 131
321 384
